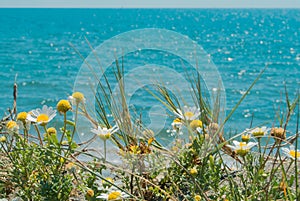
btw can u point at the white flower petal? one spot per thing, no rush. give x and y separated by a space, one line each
236 143
30 118
103 196
95 131
200 130
251 144
232 147
286 151
44 108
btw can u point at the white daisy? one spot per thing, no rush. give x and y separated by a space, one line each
188 113
176 124
105 133
176 127
258 132
242 148
41 116
291 152
113 195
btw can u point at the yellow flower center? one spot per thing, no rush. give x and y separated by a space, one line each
195 124
242 144
242 151
42 118
177 120
245 138
11 125
294 154
22 116
113 195
106 183
105 136
189 115
258 133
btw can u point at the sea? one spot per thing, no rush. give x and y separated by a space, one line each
39 50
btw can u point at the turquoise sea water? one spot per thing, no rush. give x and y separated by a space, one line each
34 45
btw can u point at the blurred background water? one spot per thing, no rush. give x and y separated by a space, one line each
34 45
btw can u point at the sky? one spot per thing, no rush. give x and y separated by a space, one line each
152 3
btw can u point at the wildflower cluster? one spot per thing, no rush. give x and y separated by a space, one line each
124 160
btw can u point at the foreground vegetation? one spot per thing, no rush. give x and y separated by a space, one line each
40 162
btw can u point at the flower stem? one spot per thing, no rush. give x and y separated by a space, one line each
45 128
259 150
75 121
65 127
25 132
104 150
39 134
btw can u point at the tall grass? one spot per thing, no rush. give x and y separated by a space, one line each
204 165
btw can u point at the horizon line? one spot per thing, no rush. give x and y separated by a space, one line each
87 7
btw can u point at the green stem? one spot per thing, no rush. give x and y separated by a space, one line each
39 134
75 121
65 127
25 136
45 128
104 150
259 150
25 132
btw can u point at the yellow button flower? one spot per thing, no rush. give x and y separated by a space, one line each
196 124
90 193
2 139
278 133
197 198
12 125
63 106
193 171
51 131
22 116
78 97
